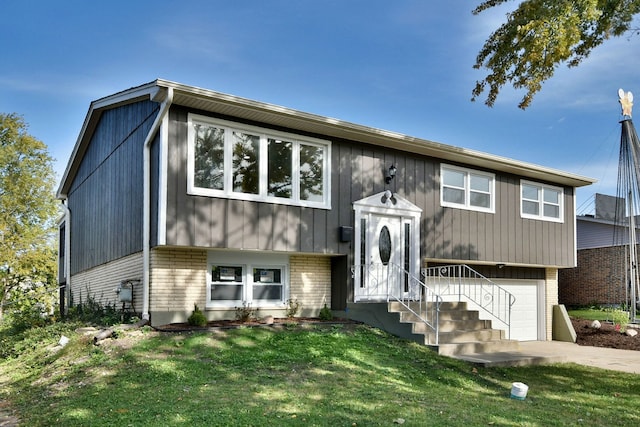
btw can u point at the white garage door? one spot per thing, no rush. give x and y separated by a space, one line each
527 311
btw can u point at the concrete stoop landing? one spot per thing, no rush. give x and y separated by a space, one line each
463 335
510 358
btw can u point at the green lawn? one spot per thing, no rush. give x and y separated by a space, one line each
318 376
590 313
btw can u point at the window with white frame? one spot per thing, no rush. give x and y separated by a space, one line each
467 189
233 160
539 201
258 280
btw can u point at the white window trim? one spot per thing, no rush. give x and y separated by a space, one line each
283 282
541 203
467 189
264 134
248 261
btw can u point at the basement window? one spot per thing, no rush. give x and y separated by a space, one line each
258 280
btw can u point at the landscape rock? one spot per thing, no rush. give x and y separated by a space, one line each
631 332
267 320
596 324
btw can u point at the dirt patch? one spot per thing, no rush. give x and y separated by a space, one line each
606 336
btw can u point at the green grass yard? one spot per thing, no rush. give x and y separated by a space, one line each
591 313
316 376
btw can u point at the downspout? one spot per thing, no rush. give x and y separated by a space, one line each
146 221
67 251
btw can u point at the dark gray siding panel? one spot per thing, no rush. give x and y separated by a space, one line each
358 171
105 197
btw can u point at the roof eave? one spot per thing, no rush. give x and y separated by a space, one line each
217 102
145 91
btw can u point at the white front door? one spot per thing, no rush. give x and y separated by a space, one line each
388 255
387 243
385 256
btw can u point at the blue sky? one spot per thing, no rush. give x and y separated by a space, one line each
404 66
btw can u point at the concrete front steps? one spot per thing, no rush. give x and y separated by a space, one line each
461 330
463 335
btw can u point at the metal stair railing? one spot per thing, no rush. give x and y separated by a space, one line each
403 287
463 282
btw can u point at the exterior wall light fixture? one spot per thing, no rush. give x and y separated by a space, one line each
391 174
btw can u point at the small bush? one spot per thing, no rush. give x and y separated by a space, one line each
325 313
197 318
293 306
620 319
246 313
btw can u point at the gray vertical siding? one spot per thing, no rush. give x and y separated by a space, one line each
105 197
594 234
358 170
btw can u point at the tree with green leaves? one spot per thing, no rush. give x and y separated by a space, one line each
539 35
27 219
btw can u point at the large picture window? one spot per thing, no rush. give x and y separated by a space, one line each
467 189
542 202
233 160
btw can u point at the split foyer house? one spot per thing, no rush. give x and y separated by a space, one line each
189 196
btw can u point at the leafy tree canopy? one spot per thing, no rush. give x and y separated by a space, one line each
27 214
541 34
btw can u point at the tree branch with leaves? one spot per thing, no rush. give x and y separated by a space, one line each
539 35
27 217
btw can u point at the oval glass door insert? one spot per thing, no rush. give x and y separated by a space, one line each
384 245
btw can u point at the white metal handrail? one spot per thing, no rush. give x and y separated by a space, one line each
463 282
394 283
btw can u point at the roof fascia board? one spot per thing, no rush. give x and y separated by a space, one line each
148 90
380 137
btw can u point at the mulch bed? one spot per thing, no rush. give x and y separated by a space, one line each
277 322
606 336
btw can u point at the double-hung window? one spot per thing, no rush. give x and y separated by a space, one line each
467 189
227 283
260 280
539 201
232 160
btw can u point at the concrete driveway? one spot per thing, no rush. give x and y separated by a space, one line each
605 358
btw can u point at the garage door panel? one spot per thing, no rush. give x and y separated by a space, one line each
524 313
525 310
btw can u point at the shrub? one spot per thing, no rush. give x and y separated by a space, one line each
325 313
246 313
197 318
92 311
293 306
620 319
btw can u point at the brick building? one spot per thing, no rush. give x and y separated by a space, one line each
602 252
